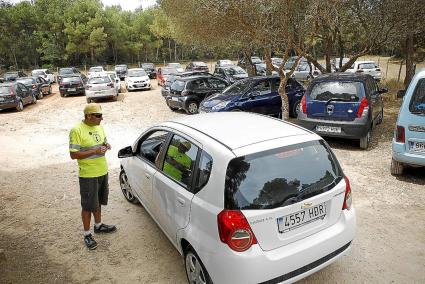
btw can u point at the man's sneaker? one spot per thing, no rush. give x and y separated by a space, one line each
90 242
103 228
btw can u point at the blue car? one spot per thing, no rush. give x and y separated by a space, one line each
408 143
255 94
343 105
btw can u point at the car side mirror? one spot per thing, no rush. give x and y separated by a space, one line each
125 152
401 93
383 90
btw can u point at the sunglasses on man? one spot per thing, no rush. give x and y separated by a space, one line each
97 115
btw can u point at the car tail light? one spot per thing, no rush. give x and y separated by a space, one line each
235 231
400 134
12 91
348 199
34 86
304 104
364 105
110 85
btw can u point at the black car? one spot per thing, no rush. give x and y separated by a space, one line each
255 94
72 85
121 71
15 95
343 105
150 69
38 85
165 91
13 75
67 71
231 73
187 93
197 66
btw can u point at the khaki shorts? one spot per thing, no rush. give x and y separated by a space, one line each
94 192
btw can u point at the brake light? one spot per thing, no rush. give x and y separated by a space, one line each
304 104
400 134
234 230
364 106
12 91
348 200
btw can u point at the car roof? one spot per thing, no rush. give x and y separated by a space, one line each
365 61
239 129
196 76
39 70
342 76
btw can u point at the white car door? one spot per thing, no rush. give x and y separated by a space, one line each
172 194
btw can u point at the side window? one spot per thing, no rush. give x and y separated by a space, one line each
262 87
417 102
180 160
150 145
216 84
374 87
275 85
204 170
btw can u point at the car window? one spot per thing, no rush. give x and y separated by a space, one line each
150 145
262 87
180 160
99 80
25 81
178 85
197 84
216 83
313 170
37 73
204 170
367 66
71 79
417 102
238 88
344 91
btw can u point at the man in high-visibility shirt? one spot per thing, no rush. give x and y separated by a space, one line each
88 144
177 164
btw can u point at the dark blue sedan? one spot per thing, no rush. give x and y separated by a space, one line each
256 94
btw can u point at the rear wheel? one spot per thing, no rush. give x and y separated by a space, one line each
126 189
40 95
34 99
192 107
396 167
195 270
295 108
50 90
365 141
20 106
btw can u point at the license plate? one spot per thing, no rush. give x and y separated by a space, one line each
174 99
301 218
140 85
72 89
328 129
417 146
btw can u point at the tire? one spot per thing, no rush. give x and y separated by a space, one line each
88 100
295 107
34 99
195 269
40 95
381 117
126 189
192 107
365 141
20 106
396 167
62 95
50 90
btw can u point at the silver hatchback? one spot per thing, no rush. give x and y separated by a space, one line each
99 87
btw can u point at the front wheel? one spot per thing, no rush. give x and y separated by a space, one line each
195 270
34 99
192 107
40 95
20 106
396 167
126 189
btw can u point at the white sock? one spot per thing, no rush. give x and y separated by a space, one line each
97 225
86 233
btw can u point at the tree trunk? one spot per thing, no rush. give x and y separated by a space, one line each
410 68
175 50
169 49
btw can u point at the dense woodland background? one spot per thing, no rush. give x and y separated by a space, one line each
54 33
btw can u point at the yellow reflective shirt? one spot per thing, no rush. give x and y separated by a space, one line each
84 137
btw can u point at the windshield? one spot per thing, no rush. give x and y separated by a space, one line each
367 66
10 75
167 71
37 73
234 71
344 91
178 85
136 73
417 103
199 64
71 79
96 69
255 60
26 81
120 68
66 71
265 181
238 88
225 62
99 80
147 65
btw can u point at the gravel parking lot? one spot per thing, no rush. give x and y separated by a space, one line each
41 231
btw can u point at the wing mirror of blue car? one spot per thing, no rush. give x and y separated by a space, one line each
401 93
125 152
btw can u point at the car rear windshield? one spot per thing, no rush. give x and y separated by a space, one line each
337 90
121 68
96 69
137 73
280 177
66 71
234 70
71 79
167 71
26 81
37 73
178 85
367 66
99 80
147 65
417 103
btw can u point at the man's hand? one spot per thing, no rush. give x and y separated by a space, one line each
101 150
108 146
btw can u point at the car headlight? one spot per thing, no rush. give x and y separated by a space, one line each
220 105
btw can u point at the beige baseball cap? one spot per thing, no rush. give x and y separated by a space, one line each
92 108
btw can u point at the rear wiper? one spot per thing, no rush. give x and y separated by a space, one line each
338 100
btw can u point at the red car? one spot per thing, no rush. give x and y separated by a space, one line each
163 74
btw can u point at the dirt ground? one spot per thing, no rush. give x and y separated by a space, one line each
41 231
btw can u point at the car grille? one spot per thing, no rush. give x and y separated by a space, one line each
307 267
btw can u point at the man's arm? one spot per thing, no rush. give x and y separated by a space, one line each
87 153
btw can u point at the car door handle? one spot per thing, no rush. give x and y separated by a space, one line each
147 176
181 201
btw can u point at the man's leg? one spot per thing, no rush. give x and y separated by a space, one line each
86 216
97 214
99 227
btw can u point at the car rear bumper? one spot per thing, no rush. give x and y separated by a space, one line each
101 94
349 129
66 91
8 105
286 264
401 155
176 102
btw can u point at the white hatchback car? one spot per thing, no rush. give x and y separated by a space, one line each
100 86
45 73
366 67
243 197
137 79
